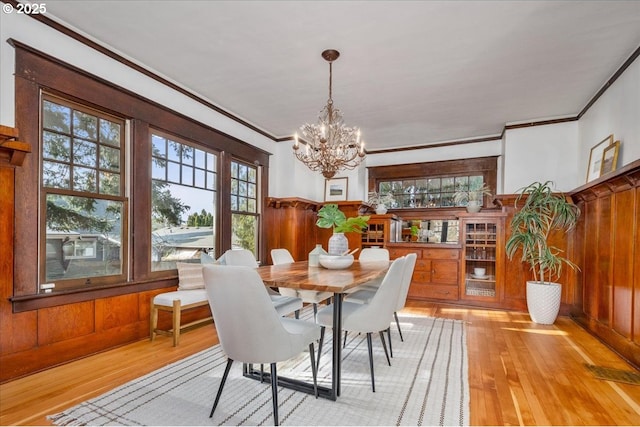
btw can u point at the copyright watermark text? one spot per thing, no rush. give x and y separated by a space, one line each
25 8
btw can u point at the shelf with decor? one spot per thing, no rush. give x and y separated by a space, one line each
482 266
381 230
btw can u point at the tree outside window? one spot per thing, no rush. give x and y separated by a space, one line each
244 207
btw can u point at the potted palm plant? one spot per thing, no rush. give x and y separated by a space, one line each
380 202
543 211
472 198
329 216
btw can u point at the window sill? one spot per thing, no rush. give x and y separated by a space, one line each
44 300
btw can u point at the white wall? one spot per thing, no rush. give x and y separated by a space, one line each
541 153
39 36
616 112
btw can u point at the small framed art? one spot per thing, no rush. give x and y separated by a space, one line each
610 158
335 189
595 158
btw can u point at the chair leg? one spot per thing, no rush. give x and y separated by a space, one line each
297 314
322 328
224 378
373 381
274 393
153 321
176 322
384 345
315 311
314 369
344 344
395 314
389 337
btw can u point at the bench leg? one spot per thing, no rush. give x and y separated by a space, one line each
176 322
153 321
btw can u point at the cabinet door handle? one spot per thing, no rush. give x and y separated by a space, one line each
433 272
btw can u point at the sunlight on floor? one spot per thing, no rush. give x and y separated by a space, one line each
539 331
495 315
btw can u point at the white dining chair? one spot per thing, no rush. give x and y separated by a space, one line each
371 255
407 276
364 296
371 317
283 256
249 328
284 304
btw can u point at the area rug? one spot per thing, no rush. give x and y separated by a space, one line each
427 384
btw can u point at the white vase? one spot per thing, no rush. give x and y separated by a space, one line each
314 255
543 301
381 209
474 206
338 244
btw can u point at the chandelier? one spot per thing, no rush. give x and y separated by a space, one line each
330 145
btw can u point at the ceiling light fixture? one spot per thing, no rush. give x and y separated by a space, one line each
330 145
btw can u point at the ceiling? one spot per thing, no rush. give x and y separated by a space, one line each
410 73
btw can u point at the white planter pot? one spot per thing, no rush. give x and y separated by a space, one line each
543 301
381 209
474 206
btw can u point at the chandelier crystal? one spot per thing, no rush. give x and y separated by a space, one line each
330 145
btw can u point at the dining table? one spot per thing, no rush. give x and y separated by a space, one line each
301 276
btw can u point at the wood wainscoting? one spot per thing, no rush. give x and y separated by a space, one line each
607 245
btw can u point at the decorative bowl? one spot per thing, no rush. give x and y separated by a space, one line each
336 262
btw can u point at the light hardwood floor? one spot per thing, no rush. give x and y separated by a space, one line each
520 373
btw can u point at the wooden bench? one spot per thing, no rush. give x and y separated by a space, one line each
176 302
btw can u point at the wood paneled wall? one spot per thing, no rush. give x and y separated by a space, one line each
607 244
290 223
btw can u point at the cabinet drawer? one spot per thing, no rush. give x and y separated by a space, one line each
397 253
434 291
421 276
445 272
441 253
423 265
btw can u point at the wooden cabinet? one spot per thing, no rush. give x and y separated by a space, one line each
381 229
436 273
482 269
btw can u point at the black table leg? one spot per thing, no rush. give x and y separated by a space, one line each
337 347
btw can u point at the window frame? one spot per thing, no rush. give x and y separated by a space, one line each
195 145
45 191
258 197
36 71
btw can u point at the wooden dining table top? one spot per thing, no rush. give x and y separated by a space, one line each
299 275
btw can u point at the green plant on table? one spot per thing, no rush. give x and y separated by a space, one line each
330 216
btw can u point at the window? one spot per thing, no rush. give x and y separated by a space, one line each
431 185
244 207
96 173
183 201
83 192
428 192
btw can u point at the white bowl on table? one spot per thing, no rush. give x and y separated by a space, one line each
336 262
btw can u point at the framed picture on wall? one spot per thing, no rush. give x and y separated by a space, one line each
595 158
610 158
335 189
